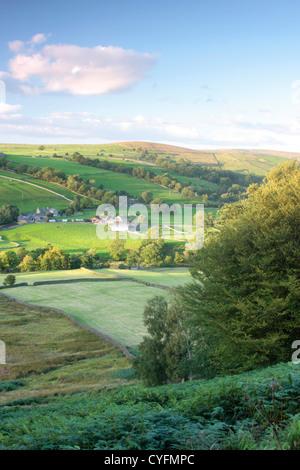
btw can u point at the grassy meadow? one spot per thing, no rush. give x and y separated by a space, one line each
28 197
51 355
109 179
113 308
170 277
76 237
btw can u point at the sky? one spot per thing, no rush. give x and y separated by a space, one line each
199 74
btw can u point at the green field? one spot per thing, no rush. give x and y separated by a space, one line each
170 277
43 184
28 197
74 237
112 308
32 277
109 179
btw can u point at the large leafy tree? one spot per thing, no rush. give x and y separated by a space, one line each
9 213
166 354
246 291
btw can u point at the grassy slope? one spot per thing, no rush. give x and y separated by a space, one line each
110 180
28 197
112 308
34 276
170 277
72 237
44 184
52 355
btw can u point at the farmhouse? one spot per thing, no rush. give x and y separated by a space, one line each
44 212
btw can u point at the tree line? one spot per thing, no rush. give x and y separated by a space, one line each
49 258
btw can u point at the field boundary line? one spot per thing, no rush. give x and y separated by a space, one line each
129 278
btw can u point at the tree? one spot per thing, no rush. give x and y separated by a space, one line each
76 203
9 280
8 261
9 213
54 259
246 295
147 196
133 257
28 264
167 353
150 363
117 250
152 252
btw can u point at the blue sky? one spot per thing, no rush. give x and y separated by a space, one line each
217 74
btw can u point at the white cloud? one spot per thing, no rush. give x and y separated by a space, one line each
38 38
9 108
74 69
15 46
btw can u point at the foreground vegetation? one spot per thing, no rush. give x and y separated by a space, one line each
64 388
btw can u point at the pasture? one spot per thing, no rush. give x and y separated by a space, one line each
34 276
70 237
28 197
112 308
109 179
171 277
63 191
76 237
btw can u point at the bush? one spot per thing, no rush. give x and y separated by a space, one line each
10 280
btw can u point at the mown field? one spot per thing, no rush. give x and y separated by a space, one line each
170 277
114 308
31 277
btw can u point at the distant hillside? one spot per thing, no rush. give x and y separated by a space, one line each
254 161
